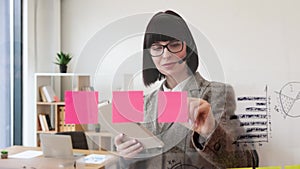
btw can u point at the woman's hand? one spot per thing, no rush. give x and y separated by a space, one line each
201 115
127 149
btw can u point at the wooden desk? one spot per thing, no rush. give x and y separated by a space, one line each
50 163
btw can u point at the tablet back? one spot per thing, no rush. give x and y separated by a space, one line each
131 130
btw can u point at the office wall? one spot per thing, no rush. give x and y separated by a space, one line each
250 44
254 42
41 41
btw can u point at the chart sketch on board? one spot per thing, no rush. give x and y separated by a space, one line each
288 100
254 115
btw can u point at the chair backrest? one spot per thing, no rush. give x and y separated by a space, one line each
255 158
79 140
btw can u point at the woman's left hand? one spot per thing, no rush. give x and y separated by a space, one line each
201 115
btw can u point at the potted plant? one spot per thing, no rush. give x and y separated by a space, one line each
62 59
97 128
4 154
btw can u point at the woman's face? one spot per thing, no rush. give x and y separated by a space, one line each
168 63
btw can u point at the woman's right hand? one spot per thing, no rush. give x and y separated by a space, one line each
127 149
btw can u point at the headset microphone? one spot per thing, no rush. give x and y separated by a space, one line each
182 60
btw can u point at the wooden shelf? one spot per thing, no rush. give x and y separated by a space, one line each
102 134
51 103
60 82
50 132
61 74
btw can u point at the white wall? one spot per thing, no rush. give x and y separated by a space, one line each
41 41
254 41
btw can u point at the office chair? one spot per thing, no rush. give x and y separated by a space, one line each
79 140
255 159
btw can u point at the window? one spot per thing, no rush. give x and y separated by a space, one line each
5 89
10 73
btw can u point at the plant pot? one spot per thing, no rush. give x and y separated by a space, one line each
97 128
4 156
63 68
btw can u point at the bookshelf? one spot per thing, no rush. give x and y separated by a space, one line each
103 140
60 82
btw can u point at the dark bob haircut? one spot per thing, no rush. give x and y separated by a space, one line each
167 26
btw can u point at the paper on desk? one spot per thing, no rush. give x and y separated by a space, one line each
96 158
26 154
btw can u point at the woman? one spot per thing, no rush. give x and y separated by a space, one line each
170 54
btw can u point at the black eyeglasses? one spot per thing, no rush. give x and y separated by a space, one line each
173 47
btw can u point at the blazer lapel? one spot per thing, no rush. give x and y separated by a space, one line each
196 86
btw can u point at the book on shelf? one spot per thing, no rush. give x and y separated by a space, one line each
43 122
66 127
87 88
47 94
61 121
48 122
43 97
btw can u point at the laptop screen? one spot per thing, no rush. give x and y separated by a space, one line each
56 146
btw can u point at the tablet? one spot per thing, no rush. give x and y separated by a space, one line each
131 130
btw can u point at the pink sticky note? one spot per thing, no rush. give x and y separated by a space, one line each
172 107
127 106
81 107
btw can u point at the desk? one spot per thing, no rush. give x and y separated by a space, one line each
50 163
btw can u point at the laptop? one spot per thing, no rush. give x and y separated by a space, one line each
57 146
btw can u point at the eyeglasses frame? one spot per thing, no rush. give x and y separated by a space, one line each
166 46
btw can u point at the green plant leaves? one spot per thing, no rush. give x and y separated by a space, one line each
63 58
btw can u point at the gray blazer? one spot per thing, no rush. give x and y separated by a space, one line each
186 149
